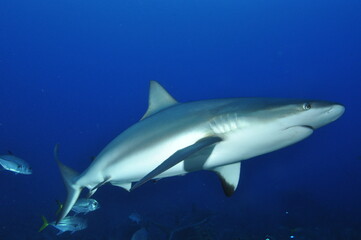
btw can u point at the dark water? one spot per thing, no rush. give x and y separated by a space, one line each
77 73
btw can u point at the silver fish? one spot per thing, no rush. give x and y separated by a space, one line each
67 224
135 217
14 164
85 205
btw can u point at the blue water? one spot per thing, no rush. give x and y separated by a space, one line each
77 73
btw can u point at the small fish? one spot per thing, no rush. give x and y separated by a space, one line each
85 205
136 218
82 205
14 164
69 223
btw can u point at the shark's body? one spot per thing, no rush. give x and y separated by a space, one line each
174 139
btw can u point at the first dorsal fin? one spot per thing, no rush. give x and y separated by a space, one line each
159 99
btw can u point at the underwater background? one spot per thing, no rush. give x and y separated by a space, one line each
77 73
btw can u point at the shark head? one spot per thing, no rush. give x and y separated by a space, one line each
258 126
270 115
294 120
308 114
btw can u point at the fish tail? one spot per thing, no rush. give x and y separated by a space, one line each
60 206
45 224
69 177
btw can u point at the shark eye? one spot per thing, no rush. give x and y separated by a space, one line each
306 106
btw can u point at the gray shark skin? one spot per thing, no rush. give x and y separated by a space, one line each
176 138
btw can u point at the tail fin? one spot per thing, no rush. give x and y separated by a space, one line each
45 224
69 175
60 206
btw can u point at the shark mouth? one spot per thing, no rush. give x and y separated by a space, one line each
307 126
302 126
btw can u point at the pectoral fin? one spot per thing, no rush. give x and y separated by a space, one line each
177 157
229 176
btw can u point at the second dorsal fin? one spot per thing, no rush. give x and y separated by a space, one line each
159 99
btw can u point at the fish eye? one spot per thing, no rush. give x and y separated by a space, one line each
306 106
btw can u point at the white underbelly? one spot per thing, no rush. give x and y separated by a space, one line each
243 145
237 146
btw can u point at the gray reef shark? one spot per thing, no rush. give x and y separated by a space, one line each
176 138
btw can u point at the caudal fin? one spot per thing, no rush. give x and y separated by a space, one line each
45 224
60 206
69 176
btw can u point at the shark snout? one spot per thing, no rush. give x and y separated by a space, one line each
326 113
335 111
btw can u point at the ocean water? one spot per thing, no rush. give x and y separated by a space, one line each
76 73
